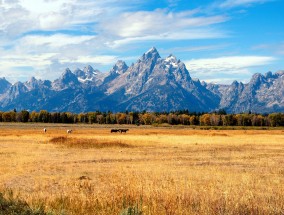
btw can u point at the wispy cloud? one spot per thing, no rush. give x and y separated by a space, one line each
25 15
226 68
54 41
48 35
193 34
29 29
276 48
102 59
194 48
146 23
243 3
37 60
16 67
233 62
161 25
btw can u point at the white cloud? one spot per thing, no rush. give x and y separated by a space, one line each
276 48
43 6
233 62
160 25
225 80
37 60
54 14
52 21
226 68
99 59
20 67
181 35
158 22
195 48
53 41
237 3
29 32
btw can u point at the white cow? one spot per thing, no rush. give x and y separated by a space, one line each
69 131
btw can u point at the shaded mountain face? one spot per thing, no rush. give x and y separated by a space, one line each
4 85
263 94
151 84
157 84
118 69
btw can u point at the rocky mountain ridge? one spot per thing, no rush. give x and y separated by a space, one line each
151 84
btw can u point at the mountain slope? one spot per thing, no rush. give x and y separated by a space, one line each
157 84
151 84
263 94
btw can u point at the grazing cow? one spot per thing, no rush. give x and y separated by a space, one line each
114 130
123 130
44 130
69 131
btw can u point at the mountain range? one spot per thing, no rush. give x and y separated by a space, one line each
151 84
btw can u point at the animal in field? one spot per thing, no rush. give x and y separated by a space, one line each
69 131
123 130
114 130
119 130
44 130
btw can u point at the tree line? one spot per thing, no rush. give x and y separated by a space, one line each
220 118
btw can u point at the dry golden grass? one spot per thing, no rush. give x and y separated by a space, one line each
151 170
86 143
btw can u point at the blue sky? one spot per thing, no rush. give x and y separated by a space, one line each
219 41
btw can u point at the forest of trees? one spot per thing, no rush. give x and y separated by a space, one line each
220 118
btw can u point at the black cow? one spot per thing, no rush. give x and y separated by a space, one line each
114 130
123 130
119 130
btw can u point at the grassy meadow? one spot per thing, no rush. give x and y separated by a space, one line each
173 170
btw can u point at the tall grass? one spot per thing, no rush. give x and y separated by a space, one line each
10 205
154 171
87 143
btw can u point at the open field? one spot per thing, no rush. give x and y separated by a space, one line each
147 170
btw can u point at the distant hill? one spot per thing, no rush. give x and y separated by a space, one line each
151 84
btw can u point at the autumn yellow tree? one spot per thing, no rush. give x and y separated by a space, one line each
205 119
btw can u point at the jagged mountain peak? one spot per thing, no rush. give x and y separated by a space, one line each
268 75
172 60
17 88
78 72
4 81
68 76
32 83
152 83
120 63
66 73
280 73
263 94
171 57
89 69
152 50
235 83
32 79
67 79
256 75
4 85
88 74
257 79
151 54
120 67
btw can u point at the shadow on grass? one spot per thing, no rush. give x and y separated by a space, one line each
12 206
87 143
